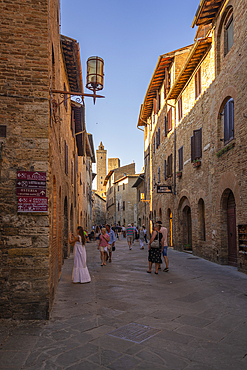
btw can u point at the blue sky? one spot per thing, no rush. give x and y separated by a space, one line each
129 35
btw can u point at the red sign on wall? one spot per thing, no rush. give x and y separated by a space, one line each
31 192
31 175
32 204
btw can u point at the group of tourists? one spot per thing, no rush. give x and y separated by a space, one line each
106 238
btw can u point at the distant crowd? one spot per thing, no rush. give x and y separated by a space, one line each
106 235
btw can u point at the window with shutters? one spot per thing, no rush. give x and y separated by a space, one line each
65 102
228 120
169 166
180 109
66 160
180 159
229 32
73 122
198 87
123 186
166 125
169 120
124 205
118 206
72 172
165 170
196 145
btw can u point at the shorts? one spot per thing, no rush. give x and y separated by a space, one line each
101 249
130 239
164 251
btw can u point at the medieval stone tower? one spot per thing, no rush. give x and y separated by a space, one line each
101 169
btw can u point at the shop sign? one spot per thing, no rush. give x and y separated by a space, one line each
164 189
32 204
31 184
31 175
31 192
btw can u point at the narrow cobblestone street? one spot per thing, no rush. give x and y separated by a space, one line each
199 311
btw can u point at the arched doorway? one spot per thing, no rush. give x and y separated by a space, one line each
65 228
228 228
187 229
231 230
170 227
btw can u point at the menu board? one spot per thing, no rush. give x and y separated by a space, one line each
31 191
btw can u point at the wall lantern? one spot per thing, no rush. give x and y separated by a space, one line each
95 74
95 77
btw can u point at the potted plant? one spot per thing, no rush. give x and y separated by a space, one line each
196 163
179 174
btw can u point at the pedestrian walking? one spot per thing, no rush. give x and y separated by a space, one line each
80 272
112 240
97 232
130 235
141 238
145 233
135 232
155 244
124 231
163 230
102 246
119 229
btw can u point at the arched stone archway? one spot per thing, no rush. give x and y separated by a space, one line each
228 228
185 222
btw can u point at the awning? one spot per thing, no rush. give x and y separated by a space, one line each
198 51
206 12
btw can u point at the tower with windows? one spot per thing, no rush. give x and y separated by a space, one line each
101 169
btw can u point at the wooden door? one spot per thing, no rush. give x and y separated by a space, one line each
232 242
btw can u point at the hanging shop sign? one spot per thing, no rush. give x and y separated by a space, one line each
164 189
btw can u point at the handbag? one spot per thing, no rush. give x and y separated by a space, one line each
155 244
113 248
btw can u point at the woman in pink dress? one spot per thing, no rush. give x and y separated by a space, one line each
103 243
80 272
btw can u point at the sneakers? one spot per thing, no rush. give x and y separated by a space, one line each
130 249
166 269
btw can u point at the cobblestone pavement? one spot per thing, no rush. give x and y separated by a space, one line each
193 317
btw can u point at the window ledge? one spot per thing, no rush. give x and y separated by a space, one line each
225 149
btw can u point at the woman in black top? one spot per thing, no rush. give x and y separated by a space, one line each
154 255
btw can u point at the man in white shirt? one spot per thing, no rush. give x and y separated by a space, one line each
163 230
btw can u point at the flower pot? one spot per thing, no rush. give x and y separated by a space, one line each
179 174
197 164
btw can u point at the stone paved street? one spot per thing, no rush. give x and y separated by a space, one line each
199 310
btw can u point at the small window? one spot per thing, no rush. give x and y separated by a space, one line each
154 146
72 172
169 119
118 206
180 109
118 188
101 182
198 86
166 125
165 168
180 159
65 98
66 158
124 205
229 33
159 175
228 120
123 186
169 166
196 145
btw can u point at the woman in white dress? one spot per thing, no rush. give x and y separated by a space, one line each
80 272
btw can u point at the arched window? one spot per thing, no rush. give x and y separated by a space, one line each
201 220
228 31
228 120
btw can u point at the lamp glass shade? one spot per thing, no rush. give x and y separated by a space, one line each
95 73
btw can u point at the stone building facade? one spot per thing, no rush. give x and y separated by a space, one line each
40 132
141 205
121 207
99 209
195 132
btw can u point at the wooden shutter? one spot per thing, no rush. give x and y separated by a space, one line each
154 145
165 169
73 122
198 83
231 119
66 157
197 143
165 124
155 106
157 139
159 135
180 159
192 149
170 120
